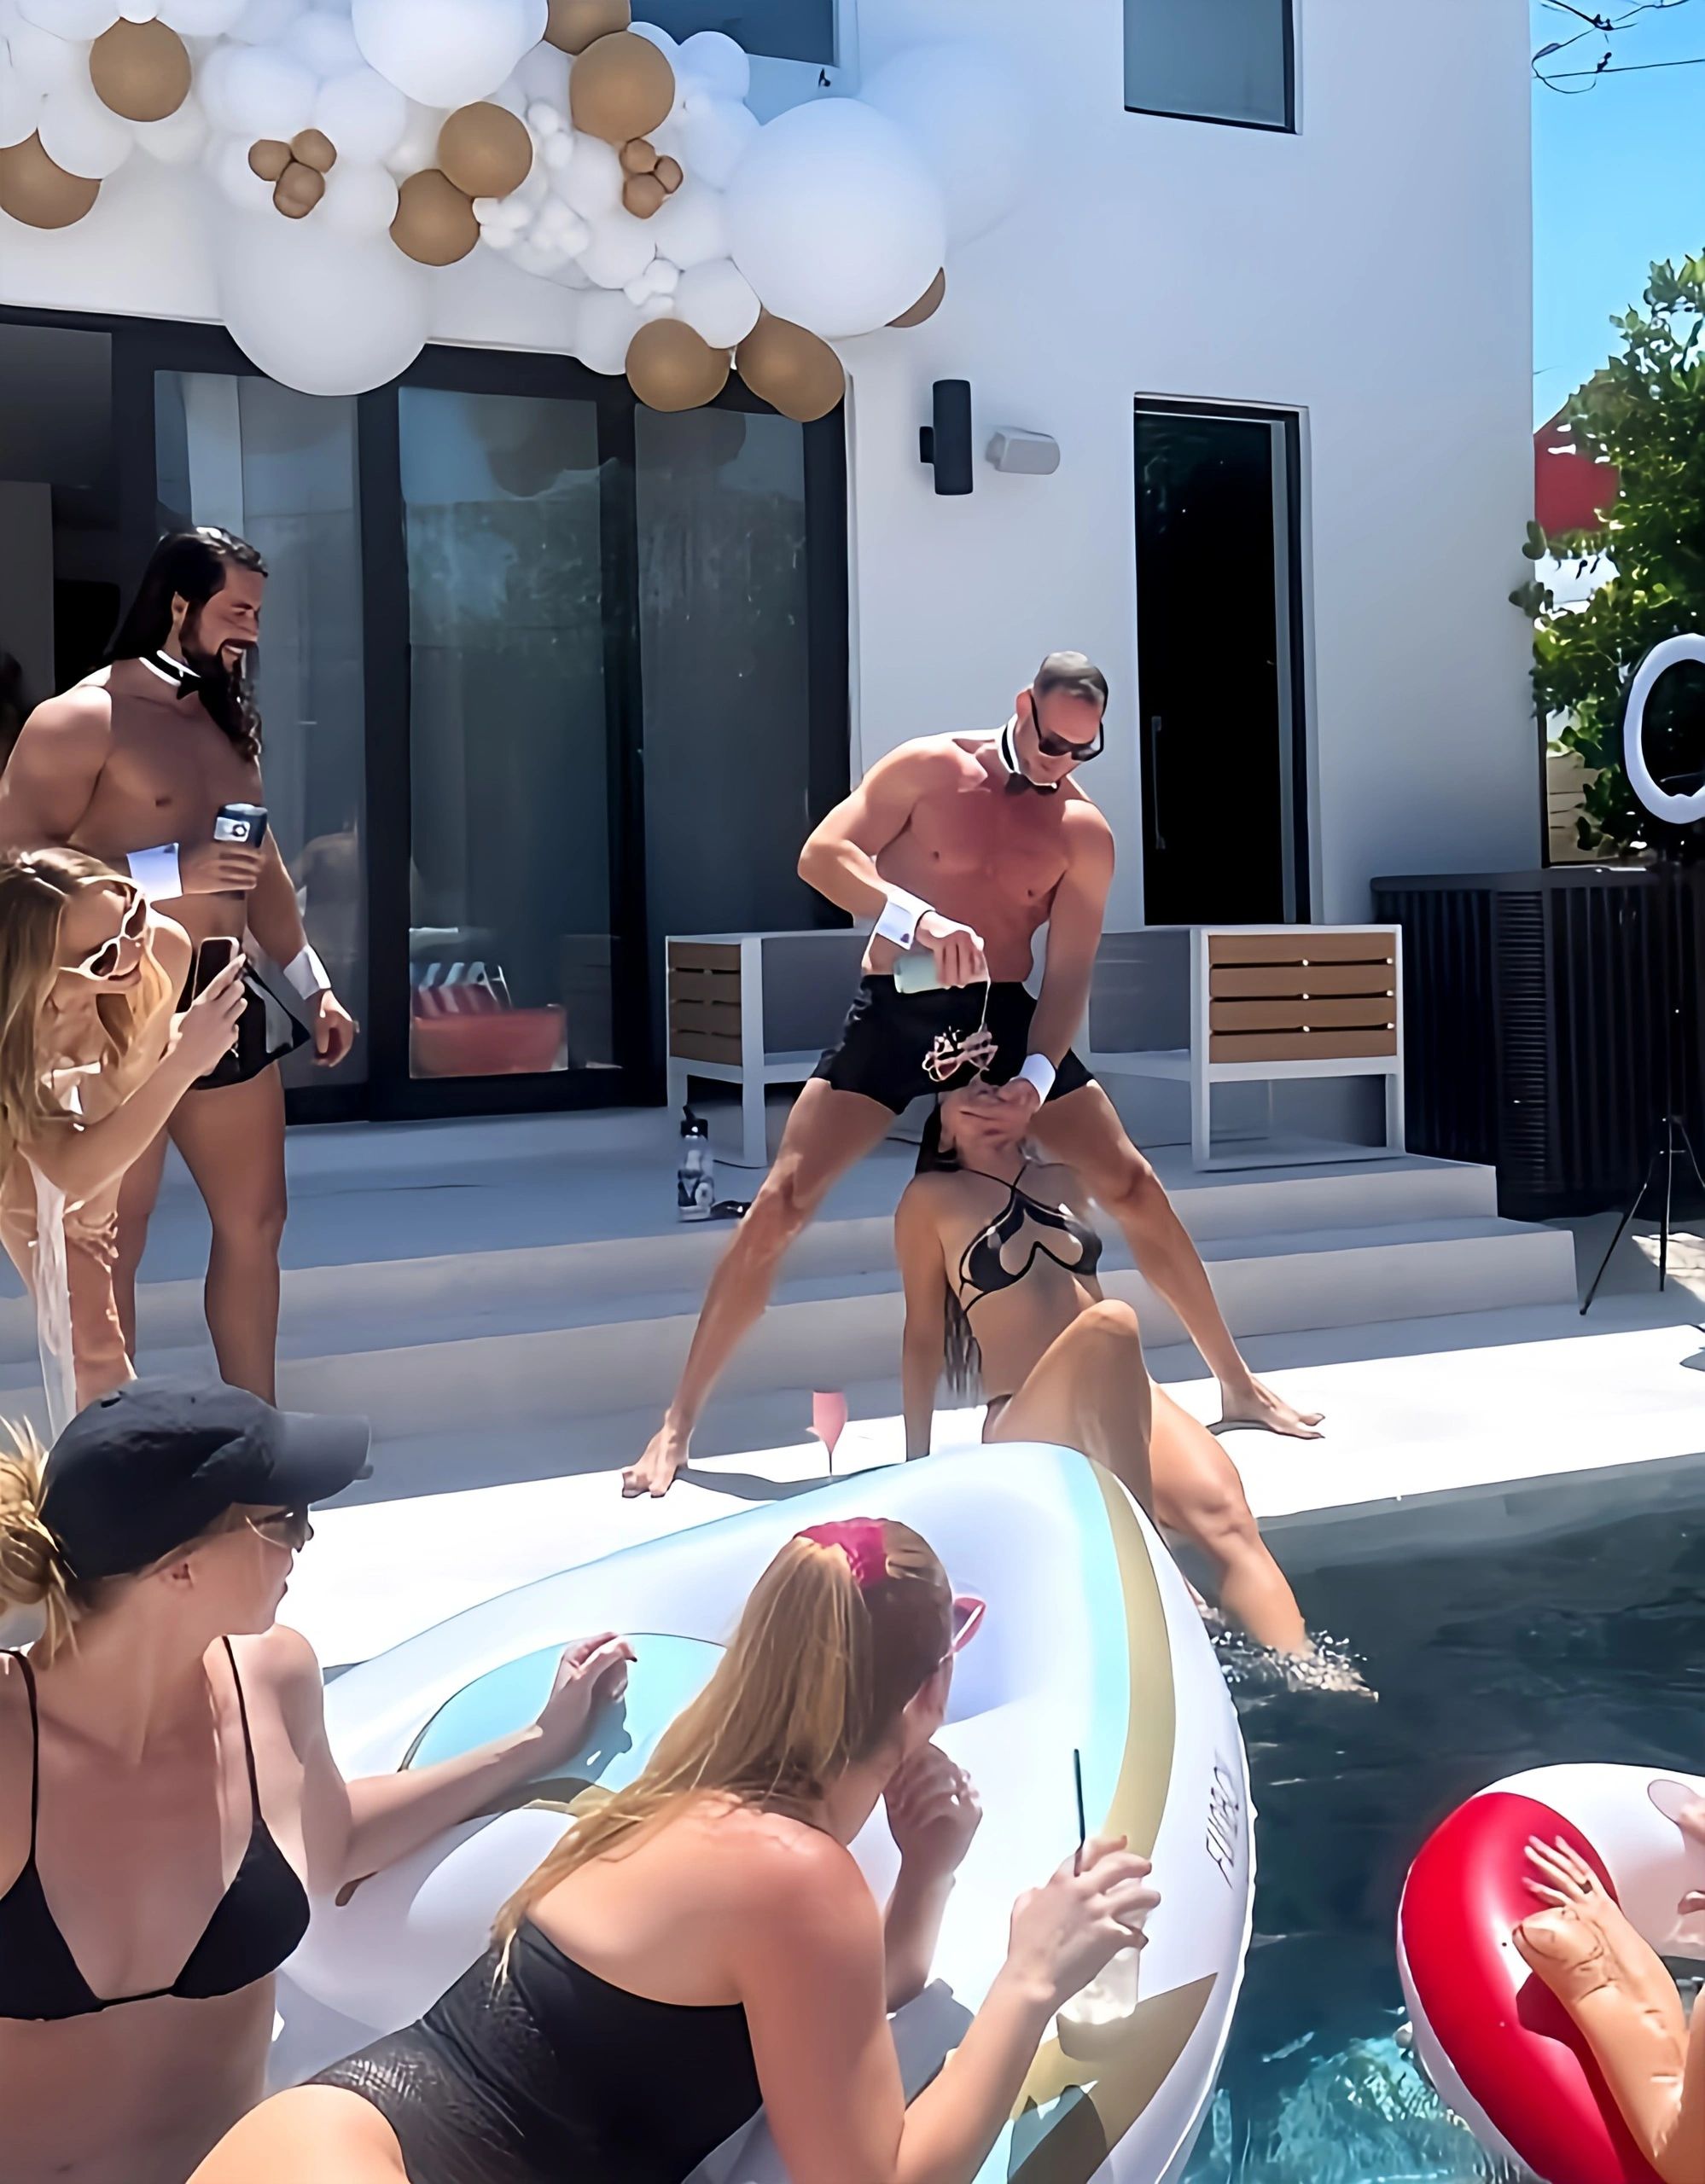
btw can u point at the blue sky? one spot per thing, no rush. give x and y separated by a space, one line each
1619 179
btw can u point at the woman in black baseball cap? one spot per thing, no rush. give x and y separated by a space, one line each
167 1795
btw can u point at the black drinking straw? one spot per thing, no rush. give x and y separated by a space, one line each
1078 1785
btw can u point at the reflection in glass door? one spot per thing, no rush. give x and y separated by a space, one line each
509 920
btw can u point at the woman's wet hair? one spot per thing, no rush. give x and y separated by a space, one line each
815 1680
35 887
962 1358
193 565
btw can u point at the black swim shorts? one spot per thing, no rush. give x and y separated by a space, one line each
266 1031
887 1034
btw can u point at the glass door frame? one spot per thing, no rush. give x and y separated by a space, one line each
143 347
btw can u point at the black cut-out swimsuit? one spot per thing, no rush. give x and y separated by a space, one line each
984 1268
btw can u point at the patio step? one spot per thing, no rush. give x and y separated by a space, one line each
489 1341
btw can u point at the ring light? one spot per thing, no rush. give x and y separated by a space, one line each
1674 810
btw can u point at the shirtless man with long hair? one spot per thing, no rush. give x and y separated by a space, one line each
966 846
131 765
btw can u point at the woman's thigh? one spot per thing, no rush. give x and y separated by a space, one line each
320 2131
1090 1391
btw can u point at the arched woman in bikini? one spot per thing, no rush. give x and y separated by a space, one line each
999 1264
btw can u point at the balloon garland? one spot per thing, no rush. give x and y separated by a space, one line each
360 145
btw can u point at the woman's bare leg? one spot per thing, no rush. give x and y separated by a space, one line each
1091 1391
1197 1492
137 1196
318 2131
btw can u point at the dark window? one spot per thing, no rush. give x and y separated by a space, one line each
1211 60
777 29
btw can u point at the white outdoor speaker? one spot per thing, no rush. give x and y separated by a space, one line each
1027 455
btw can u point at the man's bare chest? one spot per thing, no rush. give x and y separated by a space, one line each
166 775
1016 841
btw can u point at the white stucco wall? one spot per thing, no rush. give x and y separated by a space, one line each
1372 271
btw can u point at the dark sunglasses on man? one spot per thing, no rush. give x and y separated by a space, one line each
1057 746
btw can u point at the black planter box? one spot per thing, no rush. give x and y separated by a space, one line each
1533 1026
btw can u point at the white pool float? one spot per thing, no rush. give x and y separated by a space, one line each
1499 2047
1091 1641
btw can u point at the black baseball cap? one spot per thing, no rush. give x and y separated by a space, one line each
156 1463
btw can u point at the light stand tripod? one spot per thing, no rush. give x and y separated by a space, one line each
1669 1135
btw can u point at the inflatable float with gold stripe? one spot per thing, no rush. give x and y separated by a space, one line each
1091 1642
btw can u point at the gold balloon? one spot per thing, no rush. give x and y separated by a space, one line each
927 305
299 189
34 189
315 149
642 194
486 150
269 157
140 69
668 173
573 24
671 367
790 369
622 86
639 155
434 223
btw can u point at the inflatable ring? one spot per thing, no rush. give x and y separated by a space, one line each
1091 1641
1499 2047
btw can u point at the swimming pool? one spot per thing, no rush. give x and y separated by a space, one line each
1587 1646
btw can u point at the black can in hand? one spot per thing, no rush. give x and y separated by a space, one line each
244 824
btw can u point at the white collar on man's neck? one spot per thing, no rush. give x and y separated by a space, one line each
1007 748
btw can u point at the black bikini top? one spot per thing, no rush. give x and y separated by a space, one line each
254 1925
1004 1252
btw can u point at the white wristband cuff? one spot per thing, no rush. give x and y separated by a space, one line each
156 873
900 921
1038 1070
307 974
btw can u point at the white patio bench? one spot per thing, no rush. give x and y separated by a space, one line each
755 1009
1277 1003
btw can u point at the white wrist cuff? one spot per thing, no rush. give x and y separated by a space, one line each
307 974
1038 1070
900 921
156 873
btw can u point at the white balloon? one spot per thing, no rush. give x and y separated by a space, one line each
619 251
263 92
660 38
606 322
835 219
592 181
365 115
82 135
360 200
264 22
199 18
227 160
20 105
50 63
70 18
447 53
714 136
718 301
417 146
322 312
690 227
324 43
714 56
179 138
963 107
510 97
544 74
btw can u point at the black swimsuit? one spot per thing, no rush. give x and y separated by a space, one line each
254 1925
546 2074
986 1264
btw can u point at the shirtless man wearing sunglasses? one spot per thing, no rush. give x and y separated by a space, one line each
965 846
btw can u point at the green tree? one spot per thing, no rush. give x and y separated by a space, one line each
1644 411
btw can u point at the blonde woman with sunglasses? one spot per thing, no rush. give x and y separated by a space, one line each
168 1797
93 1059
704 1940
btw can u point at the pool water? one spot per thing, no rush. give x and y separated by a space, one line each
1587 1647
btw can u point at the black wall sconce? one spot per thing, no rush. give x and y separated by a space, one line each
945 445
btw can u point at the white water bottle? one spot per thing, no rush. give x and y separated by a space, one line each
695 1178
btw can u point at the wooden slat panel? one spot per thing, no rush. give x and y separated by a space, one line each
1298 945
1257 981
704 986
703 955
1375 1009
703 1046
705 1016
1300 1046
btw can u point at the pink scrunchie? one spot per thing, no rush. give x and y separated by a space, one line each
861 1540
